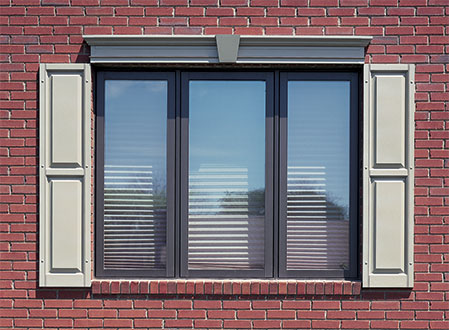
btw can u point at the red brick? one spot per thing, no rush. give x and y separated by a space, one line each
355 305
178 304
220 314
414 325
72 313
296 324
350 324
266 324
422 315
285 314
209 324
143 323
251 314
193 314
233 324
59 323
321 324
311 314
237 304
150 304
439 324
385 305
384 324
114 323
267 304
132 313
102 313
400 315
179 323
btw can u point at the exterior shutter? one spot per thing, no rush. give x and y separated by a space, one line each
65 175
388 175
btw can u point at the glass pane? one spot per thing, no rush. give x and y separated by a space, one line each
318 175
135 174
226 175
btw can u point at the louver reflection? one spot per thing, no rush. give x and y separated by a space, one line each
134 219
226 220
317 228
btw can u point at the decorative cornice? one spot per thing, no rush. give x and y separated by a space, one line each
221 49
189 40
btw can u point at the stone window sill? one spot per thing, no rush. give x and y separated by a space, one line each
226 287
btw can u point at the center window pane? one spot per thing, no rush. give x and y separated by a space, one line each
226 175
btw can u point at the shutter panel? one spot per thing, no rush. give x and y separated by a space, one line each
65 175
388 179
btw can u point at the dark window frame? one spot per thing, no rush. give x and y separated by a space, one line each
177 164
353 79
100 271
269 196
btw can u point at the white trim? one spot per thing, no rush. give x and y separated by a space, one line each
252 49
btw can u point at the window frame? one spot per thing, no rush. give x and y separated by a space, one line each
177 164
102 76
268 77
353 78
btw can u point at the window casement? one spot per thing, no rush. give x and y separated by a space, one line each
135 194
233 168
226 174
168 159
318 176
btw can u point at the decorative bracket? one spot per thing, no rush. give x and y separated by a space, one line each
227 47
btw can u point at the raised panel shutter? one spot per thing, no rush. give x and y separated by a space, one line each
388 180
64 175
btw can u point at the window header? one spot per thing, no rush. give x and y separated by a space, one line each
227 49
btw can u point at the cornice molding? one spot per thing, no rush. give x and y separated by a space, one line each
221 49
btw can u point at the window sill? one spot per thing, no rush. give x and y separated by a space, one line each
227 287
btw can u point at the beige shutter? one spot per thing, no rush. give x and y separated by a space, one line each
64 171
388 175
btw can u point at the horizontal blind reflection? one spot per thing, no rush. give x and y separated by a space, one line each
317 231
134 219
226 221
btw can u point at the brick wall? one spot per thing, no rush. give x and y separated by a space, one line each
47 31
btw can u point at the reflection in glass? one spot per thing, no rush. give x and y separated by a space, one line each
226 175
135 174
318 175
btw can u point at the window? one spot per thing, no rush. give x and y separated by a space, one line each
318 174
227 174
386 160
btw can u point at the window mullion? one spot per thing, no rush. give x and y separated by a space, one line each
178 161
276 138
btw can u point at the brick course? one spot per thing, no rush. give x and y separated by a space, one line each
50 31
